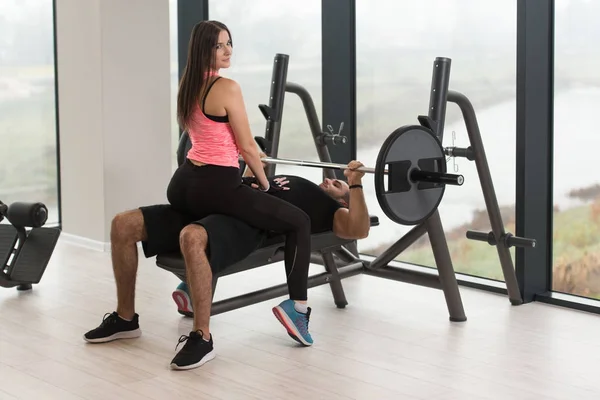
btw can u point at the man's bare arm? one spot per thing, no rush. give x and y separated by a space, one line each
353 222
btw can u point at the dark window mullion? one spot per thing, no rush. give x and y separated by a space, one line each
535 124
339 75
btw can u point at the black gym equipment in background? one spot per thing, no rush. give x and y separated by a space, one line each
339 256
24 254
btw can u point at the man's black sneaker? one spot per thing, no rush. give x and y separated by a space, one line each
194 353
114 327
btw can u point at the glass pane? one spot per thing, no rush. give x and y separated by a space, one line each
397 42
259 31
28 156
576 244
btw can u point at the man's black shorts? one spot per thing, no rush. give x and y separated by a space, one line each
229 239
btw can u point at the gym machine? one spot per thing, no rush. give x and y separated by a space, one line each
25 253
408 200
412 161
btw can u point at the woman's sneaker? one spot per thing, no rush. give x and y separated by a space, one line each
181 296
296 323
194 353
114 327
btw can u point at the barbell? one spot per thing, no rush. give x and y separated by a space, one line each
415 175
414 163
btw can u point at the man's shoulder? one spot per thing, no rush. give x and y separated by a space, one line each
303 187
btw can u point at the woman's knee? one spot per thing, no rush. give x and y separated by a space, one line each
193 236
128 226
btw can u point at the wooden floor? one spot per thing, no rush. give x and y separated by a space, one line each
393 341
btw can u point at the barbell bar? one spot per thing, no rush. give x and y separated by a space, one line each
415 174
315 164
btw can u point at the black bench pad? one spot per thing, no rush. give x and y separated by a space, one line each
270 251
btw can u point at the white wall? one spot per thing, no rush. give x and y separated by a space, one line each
114 110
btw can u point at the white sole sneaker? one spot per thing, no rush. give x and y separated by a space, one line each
203 361
119 335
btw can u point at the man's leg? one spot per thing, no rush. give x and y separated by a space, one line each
127 229
198 348
193 241
226 239
232 240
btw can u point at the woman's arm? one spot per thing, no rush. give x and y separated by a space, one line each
248 172
238 119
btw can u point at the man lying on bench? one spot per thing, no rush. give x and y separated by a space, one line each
214 243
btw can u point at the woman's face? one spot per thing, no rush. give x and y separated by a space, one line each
223 51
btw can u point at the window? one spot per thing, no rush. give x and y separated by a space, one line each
28 154
397 43
260 31
576 236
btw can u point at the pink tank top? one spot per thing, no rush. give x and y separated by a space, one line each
213 140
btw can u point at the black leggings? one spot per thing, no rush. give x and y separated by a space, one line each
203 190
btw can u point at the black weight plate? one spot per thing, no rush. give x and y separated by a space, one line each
407 202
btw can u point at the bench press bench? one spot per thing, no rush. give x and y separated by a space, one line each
325 247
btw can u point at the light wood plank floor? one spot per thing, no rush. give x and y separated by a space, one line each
394 341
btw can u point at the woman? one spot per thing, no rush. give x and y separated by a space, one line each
212 110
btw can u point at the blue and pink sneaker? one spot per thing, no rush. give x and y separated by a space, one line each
296 323
182 299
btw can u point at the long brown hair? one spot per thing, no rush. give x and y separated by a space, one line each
200 61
